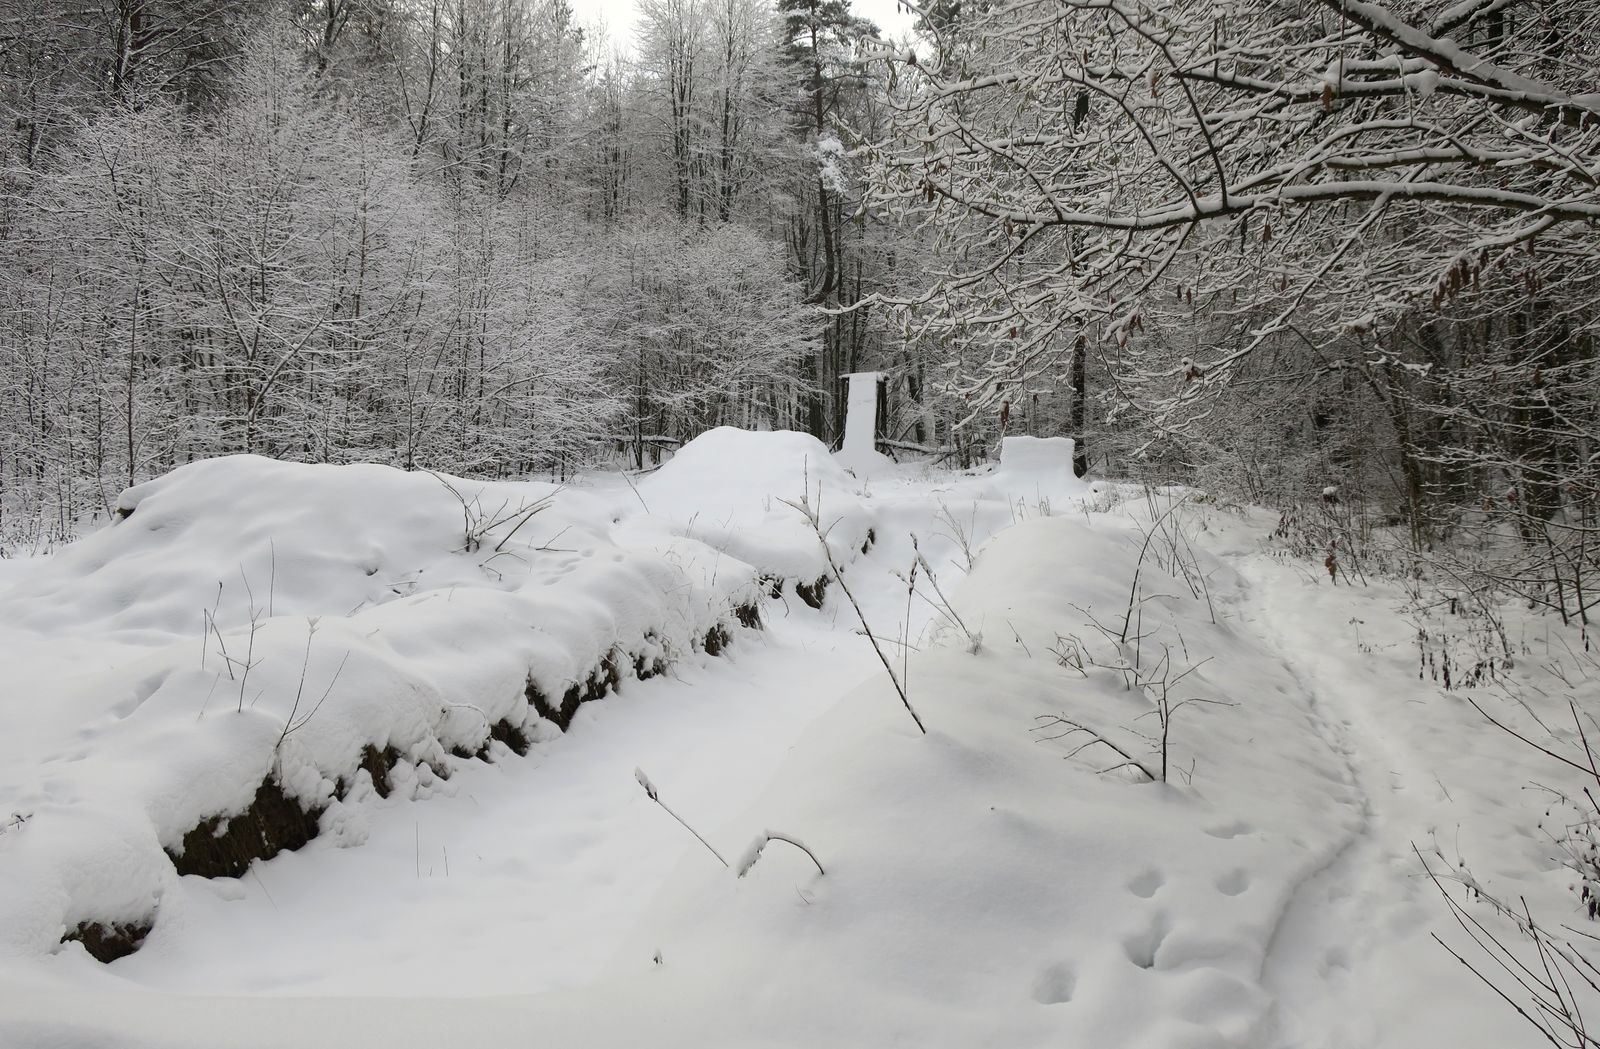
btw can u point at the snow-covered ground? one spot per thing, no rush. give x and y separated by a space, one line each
998 880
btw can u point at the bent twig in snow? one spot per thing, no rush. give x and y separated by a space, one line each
753 853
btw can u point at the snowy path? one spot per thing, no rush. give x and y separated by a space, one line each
1352 947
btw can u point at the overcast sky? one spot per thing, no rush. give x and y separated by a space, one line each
618 16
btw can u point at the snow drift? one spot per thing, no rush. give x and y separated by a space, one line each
732 490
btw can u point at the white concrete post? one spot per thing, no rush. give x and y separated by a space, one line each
861 415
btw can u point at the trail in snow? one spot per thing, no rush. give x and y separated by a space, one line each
1351 946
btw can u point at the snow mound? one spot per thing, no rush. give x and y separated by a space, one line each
244 535
735 474
304 635
731 490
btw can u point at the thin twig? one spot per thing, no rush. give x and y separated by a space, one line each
650 792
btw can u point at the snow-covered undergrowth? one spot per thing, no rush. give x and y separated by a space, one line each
1168 795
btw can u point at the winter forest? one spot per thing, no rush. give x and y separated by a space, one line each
1270 250
1188 643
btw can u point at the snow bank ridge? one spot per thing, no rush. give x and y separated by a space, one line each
307 637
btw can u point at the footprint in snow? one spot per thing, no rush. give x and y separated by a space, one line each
140 692
1142 947
1055 984
1145 884
1233 882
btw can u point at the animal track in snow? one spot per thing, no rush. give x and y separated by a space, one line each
1234 882
1145 884
1222 1003
141 691
1055 984
1142 947
1230 830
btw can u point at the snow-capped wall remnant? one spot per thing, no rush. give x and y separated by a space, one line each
860 453
1038 468
303 630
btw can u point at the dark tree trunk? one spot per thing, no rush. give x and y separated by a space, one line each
1080 396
